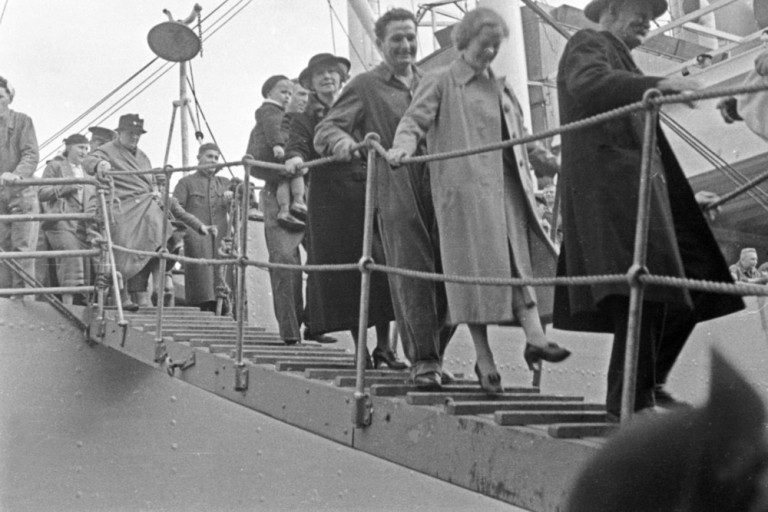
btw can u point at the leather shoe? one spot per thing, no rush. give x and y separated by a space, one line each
447 377
427 381
319 338
290 223
666 401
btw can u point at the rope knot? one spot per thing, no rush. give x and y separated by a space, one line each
635 274
650 98
365 264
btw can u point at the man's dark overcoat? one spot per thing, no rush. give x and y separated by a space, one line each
600 176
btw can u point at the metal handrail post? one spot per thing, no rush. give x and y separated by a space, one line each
113 269
361 413
638 268
160 351
241 373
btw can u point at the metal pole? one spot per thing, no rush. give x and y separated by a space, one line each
361 414
241 373
638 261
160 284
115 283
183 102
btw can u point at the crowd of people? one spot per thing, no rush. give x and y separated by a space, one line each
476 215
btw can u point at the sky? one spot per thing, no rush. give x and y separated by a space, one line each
63 56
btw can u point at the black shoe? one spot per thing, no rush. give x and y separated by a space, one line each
319 338
290 342
290 223
665 400
552 353
429 381
447 377
491 383
388 357
299 210
130 306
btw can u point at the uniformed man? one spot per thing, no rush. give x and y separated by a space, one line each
207 197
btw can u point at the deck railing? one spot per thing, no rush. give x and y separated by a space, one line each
636 278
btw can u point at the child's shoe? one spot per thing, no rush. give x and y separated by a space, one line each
289 222
299 210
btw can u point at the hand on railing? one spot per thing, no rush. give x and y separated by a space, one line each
8 177
704 200
209 230
292 166
103 166
395 156
681 85
345 149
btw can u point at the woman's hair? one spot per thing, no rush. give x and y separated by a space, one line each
473 22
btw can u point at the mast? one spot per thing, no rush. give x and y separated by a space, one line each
361 17
184 120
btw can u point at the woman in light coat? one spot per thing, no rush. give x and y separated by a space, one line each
484 202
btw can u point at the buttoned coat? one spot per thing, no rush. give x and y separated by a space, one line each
600 179
63 198
136 215
202 195
487 221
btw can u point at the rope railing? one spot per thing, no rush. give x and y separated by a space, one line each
636 277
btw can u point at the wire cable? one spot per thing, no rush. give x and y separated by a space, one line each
114 91
351 43
154 77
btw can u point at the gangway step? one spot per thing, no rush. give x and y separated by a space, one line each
478 395
389 390
253 348
331 374
512 418
207 342
300 366
267 359
580 430
345 382
224 327
186 335
533 403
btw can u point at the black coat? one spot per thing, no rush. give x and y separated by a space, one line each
336 207
600 179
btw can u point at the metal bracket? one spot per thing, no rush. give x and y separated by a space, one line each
241 378
161 353
124 326
182 365
362 410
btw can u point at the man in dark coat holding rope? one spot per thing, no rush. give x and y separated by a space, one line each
600 179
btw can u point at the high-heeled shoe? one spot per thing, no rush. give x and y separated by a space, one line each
490 383
552 353
388 357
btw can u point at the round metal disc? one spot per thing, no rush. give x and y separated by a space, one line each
173 41
761 12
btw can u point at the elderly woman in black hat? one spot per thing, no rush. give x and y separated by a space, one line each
336 201
67 235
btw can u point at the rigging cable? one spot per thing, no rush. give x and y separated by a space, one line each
333 32
207 125
758 194
2 14
114 91
165 67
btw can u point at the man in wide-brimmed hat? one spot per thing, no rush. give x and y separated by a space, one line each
138 221
600 178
